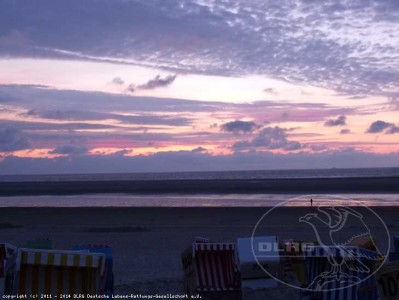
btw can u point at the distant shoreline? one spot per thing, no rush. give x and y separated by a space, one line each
361 185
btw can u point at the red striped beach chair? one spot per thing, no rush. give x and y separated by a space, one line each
210 270
55 272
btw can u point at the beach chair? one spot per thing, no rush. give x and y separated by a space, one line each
200 239
316 259
259 261
56 272
387 279
108 278
7 267
210 271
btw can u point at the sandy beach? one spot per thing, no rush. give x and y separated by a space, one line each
147 242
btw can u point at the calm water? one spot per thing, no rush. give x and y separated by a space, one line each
317 173
219 200
228 200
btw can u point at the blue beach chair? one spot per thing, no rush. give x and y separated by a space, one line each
357 285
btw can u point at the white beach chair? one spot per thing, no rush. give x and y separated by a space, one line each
259 261
56 272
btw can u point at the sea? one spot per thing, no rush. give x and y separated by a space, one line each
203 200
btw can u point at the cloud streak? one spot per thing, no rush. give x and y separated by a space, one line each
152 84
157 82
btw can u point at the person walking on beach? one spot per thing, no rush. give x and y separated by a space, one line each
311 202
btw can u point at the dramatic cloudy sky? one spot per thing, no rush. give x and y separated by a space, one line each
192 85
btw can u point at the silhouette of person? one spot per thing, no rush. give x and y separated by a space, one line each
311 202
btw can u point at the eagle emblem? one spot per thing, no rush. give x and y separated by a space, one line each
336 228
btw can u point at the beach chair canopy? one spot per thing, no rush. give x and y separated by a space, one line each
79 259
55 271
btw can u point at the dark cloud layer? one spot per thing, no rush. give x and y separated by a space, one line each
12 139
194 161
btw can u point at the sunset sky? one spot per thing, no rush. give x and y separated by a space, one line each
197 85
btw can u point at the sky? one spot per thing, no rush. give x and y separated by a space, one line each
197 85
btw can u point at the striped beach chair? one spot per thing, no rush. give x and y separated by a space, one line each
317 262
200 239
210 270
387 279
56 272
107 281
